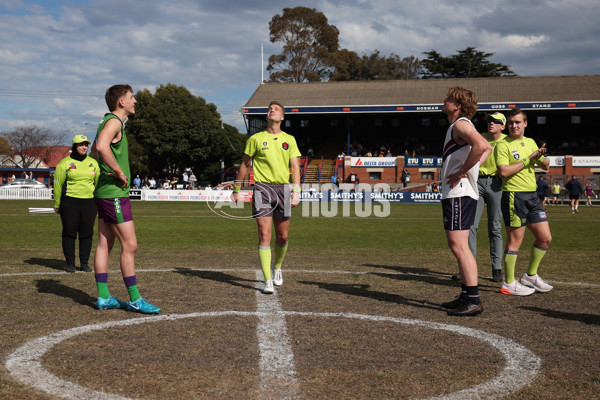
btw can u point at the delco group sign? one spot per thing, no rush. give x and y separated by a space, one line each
423 162
374 162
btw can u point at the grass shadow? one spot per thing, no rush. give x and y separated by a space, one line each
218 276
590 319
424 275
363 291
55 287
47 262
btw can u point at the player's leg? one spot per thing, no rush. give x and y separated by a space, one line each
281 245
106 240
265 226
125 232
458 244
494 214
543 238
514 238
459 215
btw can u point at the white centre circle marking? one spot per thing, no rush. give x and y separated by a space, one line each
25 365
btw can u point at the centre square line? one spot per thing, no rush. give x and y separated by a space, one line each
277 370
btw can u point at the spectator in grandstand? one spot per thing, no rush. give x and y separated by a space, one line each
464 149
516 157
489 187
542 190
137 182
555 193
115 220
193 180
75 179
575 190
271 153
589 192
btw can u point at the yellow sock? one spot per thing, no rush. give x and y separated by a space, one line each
264 256
536 257
279 254
510 261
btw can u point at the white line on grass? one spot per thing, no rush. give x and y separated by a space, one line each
303 271
521 366
277 370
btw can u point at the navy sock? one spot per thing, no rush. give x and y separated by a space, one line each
472 294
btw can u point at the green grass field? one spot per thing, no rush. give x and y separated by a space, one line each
192 259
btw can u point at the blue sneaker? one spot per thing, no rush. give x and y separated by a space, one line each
111 302
141 305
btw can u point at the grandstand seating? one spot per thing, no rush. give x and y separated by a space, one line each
319 170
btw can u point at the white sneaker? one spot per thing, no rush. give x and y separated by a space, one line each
516 289
269 289
535 282
277 277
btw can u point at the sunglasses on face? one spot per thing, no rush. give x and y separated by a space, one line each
495 121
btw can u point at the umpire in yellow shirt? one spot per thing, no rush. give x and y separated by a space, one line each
271 153
516 157
74 181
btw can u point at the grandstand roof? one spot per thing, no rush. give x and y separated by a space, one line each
537 89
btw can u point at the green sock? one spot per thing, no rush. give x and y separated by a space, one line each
510 261
134 294
279 254
264 256
131 285
536 257
103 290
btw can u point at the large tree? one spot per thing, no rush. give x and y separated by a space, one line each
467 63
173 130
31 143
309 43
349 66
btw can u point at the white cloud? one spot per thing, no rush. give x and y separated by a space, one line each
213 47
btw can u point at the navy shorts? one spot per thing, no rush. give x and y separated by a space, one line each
522 208
114 211
459 213
271 200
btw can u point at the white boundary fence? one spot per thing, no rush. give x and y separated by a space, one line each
25 193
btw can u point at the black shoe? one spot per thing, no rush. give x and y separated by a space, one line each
454 303
456 277
497 275
466 309
85 268
70 268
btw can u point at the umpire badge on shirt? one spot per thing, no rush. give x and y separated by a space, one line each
516 154
285 146
72 166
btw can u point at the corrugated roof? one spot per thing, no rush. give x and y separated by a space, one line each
428 91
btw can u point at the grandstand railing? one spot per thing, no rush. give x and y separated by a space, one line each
320 168
25 193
